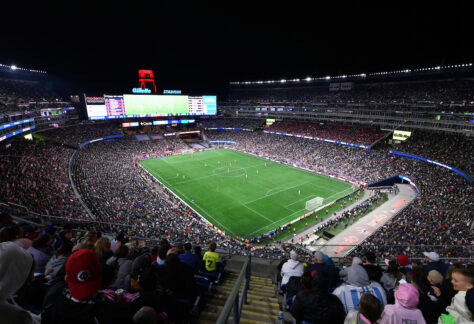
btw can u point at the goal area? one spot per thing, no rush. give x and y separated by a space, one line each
314 203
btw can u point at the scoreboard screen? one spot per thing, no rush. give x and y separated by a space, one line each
132 106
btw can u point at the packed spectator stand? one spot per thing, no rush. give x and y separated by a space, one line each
126 276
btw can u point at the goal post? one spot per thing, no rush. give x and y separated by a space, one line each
314 203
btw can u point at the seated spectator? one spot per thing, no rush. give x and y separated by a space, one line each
392 275
212 259
176 278
80 301
431 310
318 305
10 233
404 310
359 283
463 280
65 235
434 263
404 263
16 270
435 279
192 260
291 268
102 249
343 272
58 261
320 265
145 315
162 251
373 270
470 302
42 251
5 219
124 266
370 310
119 240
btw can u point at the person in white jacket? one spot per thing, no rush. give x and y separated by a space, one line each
462 280
16 267
291 268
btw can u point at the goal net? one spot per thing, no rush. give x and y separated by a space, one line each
314 203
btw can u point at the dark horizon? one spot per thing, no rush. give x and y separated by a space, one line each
201 47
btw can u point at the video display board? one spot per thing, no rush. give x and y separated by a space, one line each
132 106
401 135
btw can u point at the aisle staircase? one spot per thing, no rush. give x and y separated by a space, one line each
262 306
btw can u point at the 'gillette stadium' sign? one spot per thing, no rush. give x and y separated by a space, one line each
171 91
140 90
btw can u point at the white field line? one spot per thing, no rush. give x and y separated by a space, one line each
256 212
291 215
182 194
216 174
276 192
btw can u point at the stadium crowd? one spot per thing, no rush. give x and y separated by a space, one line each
77 134
246 123
352 134
117 190
51 275
440 215
22 95
441 91
35 175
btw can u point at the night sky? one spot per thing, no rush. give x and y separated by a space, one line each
199 46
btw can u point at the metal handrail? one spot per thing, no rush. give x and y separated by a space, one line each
233 301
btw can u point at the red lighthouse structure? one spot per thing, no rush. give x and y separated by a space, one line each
146 77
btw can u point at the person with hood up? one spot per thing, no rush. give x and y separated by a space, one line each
16 268
318 305
359 283
404 310
291 268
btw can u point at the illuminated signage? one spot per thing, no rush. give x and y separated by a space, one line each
270 121
171 91
401 135
140 90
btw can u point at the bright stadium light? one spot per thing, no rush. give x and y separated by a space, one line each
328 77
13 67
282 80
308 79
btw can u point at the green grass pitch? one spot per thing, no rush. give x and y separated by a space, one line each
242 194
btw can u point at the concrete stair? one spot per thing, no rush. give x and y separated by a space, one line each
262 301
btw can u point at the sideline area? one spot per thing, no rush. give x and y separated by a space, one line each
342 243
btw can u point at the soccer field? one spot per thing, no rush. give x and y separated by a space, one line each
242 194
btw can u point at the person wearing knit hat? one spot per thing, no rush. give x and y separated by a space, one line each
404 310
403 260
434 263
291 268
320 265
